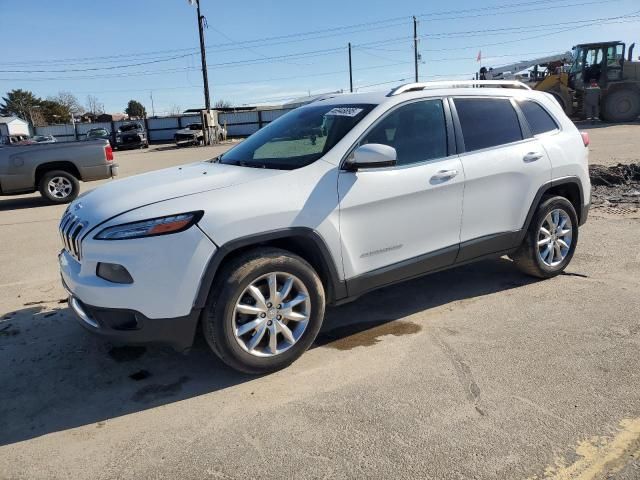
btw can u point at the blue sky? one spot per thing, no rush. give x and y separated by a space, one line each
92 41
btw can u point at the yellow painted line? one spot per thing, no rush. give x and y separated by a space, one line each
599 455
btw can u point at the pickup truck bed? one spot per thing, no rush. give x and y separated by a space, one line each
54 169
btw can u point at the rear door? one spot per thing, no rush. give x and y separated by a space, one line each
504 167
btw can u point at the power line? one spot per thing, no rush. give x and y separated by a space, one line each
360 27
458 34
99 68
369 45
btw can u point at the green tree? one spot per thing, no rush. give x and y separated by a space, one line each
55 112
135 109
21 103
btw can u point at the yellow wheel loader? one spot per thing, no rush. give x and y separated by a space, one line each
567 76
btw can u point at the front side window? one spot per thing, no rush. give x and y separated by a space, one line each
537 117
298 138
487 122
417 131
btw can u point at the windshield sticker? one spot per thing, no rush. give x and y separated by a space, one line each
344 111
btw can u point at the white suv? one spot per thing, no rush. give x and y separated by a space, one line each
332 200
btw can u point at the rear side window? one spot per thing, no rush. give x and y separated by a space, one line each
416 130
487 122
537 117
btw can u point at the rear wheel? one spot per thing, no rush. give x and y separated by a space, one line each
550 240
622 106
264 311
58 186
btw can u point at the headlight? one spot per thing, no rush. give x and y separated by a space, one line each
151 227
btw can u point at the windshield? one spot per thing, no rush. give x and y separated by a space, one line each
195 126
95 133
129 128
576 64
298 138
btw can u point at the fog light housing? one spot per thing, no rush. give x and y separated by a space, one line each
113 272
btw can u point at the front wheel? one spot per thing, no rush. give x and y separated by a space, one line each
58 186
622 106
551 239
264 311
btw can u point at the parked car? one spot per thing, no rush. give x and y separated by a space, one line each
131 135
54 169
253 244
102 133
44 139
192 134
13 139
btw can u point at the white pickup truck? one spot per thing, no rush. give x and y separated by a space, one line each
54 169
192 134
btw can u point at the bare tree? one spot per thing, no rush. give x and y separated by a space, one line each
175 110
69 101
221 103
94 106
37 118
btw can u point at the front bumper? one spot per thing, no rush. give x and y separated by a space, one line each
131 327
185 139
166 272
130 142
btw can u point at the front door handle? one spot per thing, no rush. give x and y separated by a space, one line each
444 175
531 157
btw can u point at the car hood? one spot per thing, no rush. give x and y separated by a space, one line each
119 196
188 131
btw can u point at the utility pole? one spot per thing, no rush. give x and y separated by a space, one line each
350 71
415 45
206 117
203 56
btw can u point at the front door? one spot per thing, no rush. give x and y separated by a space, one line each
397 221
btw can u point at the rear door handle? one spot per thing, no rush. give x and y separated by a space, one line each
531 157
444 174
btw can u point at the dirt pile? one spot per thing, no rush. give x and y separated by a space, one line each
617 185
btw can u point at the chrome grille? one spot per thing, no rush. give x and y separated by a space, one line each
71 228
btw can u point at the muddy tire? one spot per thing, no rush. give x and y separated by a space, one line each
622 106
550 240
59 186
264 311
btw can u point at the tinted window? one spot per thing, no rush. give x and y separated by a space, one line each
487 122
417 131
537 117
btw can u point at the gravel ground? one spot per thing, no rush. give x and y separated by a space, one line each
478 372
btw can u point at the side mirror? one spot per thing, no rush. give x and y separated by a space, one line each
372 155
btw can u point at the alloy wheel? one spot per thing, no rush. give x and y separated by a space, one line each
271 314
60 187
555 237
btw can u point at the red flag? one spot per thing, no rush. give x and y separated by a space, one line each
479 58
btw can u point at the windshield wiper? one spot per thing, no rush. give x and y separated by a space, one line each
253 164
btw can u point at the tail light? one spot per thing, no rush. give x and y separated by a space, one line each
108 153
585 138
